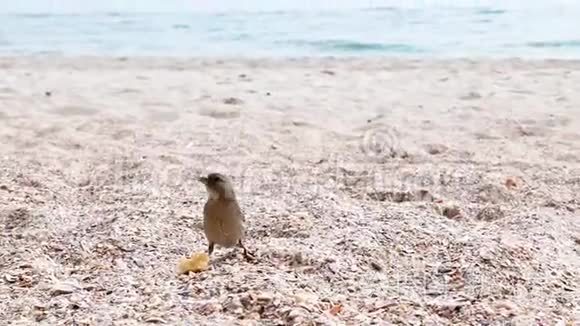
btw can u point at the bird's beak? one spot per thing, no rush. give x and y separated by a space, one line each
202 180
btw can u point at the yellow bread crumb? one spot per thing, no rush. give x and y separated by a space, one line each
196 263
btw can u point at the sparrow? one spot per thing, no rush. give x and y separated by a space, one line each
223 220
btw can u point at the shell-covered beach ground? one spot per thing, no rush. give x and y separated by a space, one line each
375 191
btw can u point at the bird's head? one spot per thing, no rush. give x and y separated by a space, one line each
218 186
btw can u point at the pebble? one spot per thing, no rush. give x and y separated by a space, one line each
39 315
265 297
295 314
509 307
210 308
435 149
10 278
247 322
490 213
511 183
471 96
298 259
486 254
486 309
448 304
253 316
450 211
303 297
382 305
232 101
65 287
234 305
447 307
156 320
376 266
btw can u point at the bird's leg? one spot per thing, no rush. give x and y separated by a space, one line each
248 255
210 248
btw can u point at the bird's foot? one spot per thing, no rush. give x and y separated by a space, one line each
249 256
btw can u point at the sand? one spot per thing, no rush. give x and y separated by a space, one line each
376 191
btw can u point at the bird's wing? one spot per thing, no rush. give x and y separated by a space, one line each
232 208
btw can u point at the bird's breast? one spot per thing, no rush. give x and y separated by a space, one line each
222 222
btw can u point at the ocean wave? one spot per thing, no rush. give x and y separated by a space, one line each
381 9
181 26
355 46
29 15
489 11
432 30
555 44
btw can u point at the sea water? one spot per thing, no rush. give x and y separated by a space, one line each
549 31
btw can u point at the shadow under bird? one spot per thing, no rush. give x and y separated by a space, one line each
223 220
